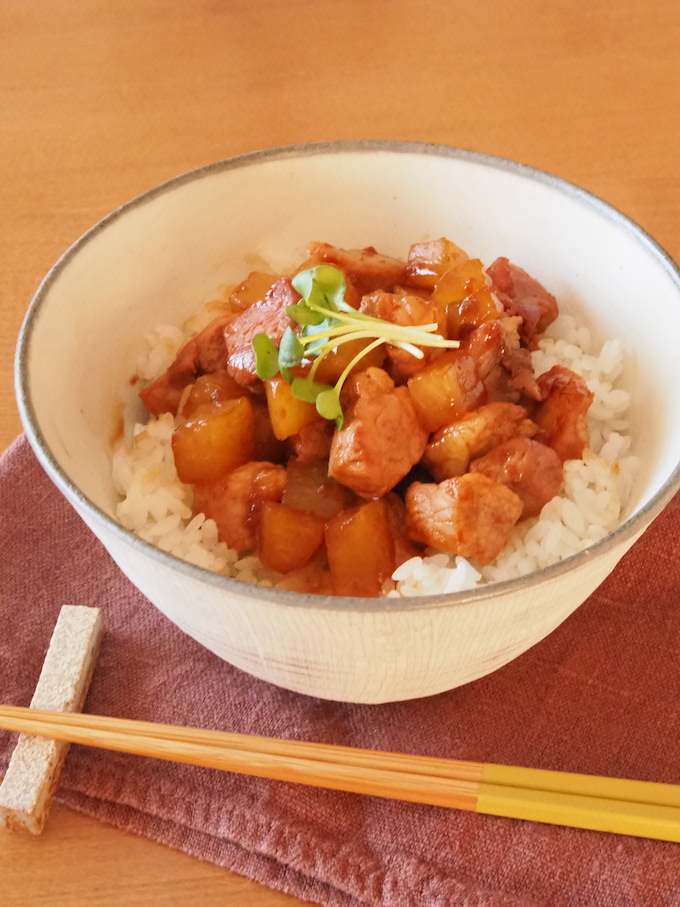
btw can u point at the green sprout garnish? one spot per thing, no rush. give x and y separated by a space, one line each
326 322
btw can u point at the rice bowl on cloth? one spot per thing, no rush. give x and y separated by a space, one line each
123 301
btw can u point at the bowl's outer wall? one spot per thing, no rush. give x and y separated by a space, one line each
157 259
367 656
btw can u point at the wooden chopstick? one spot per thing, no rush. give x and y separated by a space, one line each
641 808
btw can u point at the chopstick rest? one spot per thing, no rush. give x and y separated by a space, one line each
33 772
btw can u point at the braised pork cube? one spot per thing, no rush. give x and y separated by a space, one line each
381 438
530 469
366 383
203 354
266 317
403 308
452 447
513 376
404 549
367 269
470 515
445 389
313 441
453 384
407 311
234 502
516 360
562 415
520 294
486 345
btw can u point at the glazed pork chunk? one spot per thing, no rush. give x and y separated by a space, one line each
269 317
406 310
313 441
367 269
451 448
202 355
234 501
530 469
562 415
470 515
381 438
521 294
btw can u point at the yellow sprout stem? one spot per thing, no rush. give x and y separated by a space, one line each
358 335
332 344
350 366
359 326
354 316
420 335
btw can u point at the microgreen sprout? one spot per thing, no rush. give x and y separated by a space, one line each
326 322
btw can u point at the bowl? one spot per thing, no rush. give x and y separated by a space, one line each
159 256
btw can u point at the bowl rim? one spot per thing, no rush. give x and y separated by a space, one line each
624 532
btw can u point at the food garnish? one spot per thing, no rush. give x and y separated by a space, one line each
326 322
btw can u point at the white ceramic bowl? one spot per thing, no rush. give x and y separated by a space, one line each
159 256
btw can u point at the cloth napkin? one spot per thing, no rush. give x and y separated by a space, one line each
600 695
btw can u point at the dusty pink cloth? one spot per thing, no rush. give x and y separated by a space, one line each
601 695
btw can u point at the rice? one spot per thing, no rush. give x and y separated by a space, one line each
157 507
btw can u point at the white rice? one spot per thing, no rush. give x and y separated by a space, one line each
158 507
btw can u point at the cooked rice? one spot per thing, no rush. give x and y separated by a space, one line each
157 507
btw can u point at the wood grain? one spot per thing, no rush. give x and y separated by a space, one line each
106 867
104 99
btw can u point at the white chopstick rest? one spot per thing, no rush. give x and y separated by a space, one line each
33 772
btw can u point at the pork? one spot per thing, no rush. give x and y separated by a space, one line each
404 549
451 448
530 469
367 269
520 294
407 310
486 346
561 417
203 354
470 515
233 502
266 317
516 360
381 438
313 441
369 382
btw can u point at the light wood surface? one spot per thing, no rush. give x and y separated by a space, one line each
103 99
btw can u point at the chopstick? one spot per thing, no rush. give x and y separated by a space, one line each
639 808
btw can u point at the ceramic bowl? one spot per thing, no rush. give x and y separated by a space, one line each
159 256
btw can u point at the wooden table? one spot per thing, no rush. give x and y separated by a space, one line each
103 99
